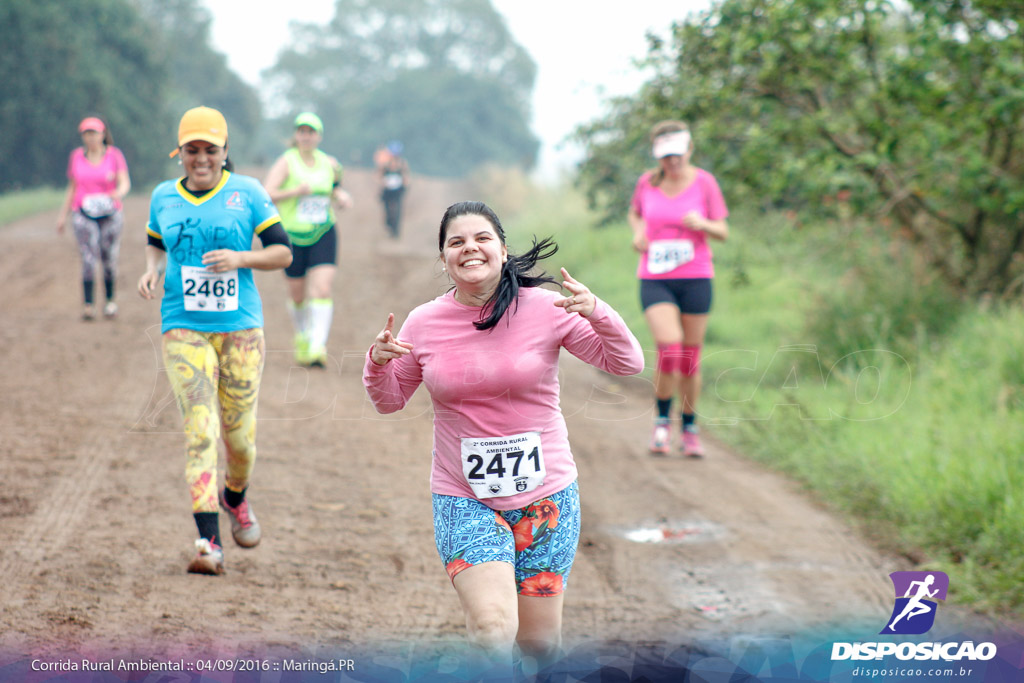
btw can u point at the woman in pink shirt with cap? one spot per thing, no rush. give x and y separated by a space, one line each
505 500
676 209
97 182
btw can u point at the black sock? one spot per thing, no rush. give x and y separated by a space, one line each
689 422
234 498
664 408
87 286
208 524
108 285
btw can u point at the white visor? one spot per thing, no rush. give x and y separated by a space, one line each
671 143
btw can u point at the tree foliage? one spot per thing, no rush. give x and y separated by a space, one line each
62 62
199 75
137 64
916 110
444 76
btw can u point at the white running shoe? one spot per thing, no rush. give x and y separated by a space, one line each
209 558
660 438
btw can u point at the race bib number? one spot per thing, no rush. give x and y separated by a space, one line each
501 466
393 181
313 209
209 292
98 205
664 256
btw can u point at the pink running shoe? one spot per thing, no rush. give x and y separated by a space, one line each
244 527
660 438
209 558
692 447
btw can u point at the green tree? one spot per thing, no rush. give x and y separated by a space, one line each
63 61
199 75
444 76
916 109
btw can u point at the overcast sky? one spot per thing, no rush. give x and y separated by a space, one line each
583 50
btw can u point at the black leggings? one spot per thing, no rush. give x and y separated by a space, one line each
393 209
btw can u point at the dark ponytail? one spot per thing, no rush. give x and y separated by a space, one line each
514 272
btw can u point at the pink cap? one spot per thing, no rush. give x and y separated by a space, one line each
91 123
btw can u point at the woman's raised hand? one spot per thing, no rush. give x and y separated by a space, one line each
581 300
386 347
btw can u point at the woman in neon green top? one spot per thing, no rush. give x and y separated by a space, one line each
305 184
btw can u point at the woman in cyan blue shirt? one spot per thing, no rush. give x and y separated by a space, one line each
200 233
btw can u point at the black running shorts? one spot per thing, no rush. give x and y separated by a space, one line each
691 296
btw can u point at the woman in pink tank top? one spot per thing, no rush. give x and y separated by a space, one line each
676 210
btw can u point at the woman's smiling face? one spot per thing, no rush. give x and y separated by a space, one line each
473 254
203 162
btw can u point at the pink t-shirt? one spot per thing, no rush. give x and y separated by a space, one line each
675 252
98 178
495 392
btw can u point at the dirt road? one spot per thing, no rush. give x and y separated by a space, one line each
95 530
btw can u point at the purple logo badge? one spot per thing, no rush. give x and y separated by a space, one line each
916 596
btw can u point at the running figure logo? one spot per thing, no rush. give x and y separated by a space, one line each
914 612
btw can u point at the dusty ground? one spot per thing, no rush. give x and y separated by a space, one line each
95 530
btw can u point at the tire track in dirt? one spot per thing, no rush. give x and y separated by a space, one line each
54 514
70 392
48 530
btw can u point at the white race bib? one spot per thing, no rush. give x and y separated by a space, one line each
664 256
499 466
209 292
392 181
98 205
313 209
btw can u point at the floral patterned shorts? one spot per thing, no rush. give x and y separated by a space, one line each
539 540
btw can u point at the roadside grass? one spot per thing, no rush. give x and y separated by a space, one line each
832 357
15 205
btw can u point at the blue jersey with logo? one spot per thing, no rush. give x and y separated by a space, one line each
226 217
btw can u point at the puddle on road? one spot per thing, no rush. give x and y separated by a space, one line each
682 532
690 590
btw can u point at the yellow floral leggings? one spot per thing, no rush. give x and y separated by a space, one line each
215 377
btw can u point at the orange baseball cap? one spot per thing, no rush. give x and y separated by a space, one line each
91 123
202 123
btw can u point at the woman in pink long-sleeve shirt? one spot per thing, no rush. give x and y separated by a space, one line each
506 505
